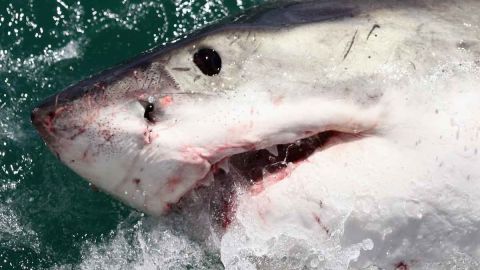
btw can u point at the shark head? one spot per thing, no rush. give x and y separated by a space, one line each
151 130
341 123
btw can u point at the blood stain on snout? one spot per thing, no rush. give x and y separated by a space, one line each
49 120
173 183
80 131
107 135
166 101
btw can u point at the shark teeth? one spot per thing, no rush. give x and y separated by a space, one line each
224 165
272 150
253 165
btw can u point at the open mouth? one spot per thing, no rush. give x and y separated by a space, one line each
256 170
255 166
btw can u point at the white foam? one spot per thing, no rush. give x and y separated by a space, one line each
13 233
146 244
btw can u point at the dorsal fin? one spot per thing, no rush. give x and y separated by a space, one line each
290 14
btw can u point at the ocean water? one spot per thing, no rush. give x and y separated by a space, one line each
49 217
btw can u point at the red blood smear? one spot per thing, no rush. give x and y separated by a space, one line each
166 101
173 183
227 210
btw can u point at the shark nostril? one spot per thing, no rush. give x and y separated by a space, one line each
42 123
149 108
51 114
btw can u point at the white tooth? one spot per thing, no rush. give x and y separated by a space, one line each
224 165
273 150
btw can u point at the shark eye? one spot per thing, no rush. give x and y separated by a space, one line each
148 112
208 61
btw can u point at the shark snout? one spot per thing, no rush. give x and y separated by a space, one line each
42 118
58 116
53 119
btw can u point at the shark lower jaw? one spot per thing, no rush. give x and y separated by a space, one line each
257 170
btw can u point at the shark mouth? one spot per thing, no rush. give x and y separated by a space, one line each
256 170
257 165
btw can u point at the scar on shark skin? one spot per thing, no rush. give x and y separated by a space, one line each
350 45
375 26
80 131
319 222
181 69
413 65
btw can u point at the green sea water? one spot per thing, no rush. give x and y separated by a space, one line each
49 217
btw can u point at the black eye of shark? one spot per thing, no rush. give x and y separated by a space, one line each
208 61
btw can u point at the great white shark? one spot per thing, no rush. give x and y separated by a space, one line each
350 129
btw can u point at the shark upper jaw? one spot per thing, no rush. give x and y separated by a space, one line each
157 164
151 166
